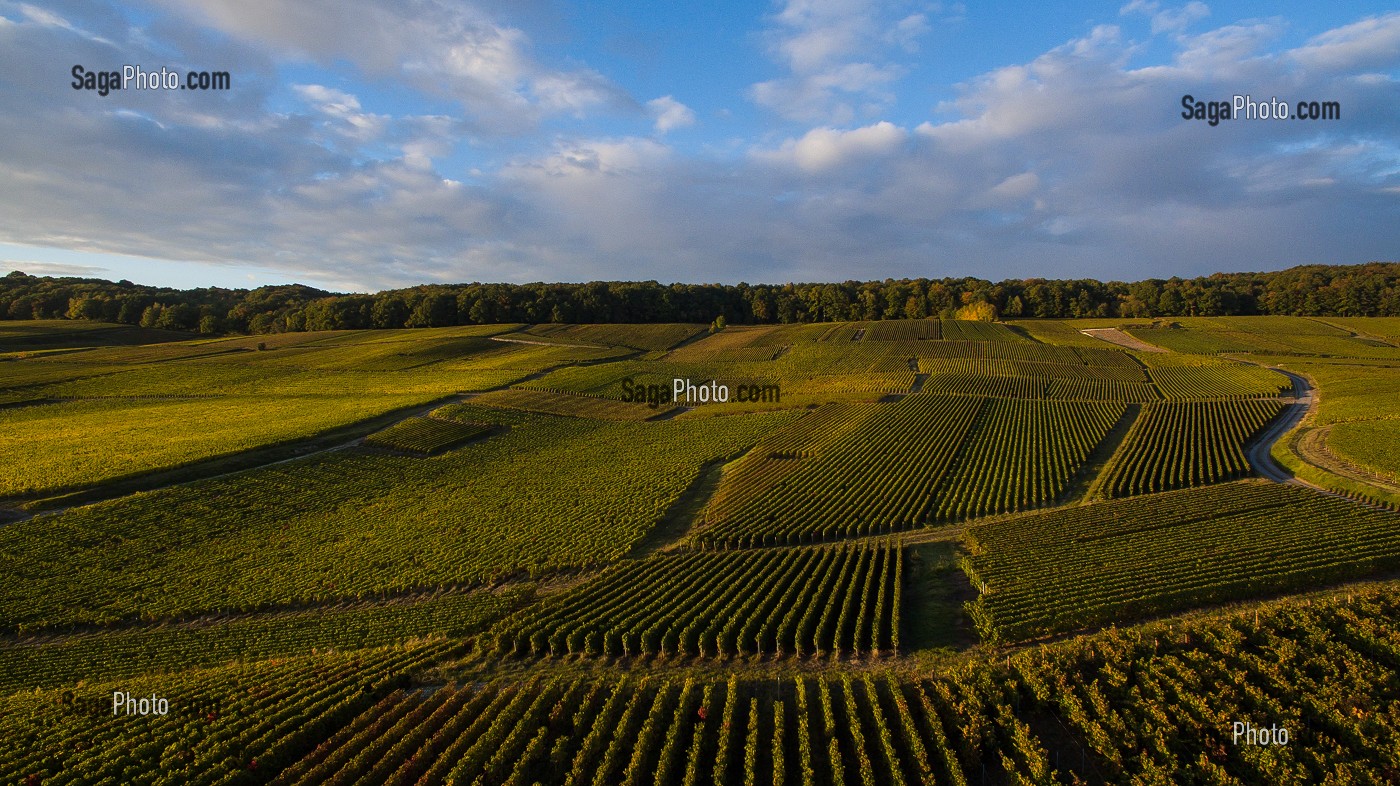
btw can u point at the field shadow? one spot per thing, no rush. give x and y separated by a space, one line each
934 593
684 513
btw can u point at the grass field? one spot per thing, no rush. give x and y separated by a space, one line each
116 412
53 446
457 555
1374 444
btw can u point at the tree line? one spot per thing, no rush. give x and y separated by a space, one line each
1312 290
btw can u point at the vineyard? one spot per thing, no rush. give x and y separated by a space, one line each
951 552
104 655
1155 704
643 337
876 477
1116 561
427 435
836 600
107 413
177 430
1266 336
1173 445
356 524
230 724
1372 444
875 469
570 405
1217 380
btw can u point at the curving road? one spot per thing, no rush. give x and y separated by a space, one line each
1259 454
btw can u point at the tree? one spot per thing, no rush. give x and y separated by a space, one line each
978 310
84 308
915 307
1356 290
388 311
180 316
151 315
262 323
435 310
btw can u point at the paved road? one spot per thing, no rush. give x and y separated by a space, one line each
1259 453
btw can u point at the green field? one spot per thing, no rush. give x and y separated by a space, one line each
428 435
351 524
1152 705
934 551
114 411
1374 444
108 655
51 447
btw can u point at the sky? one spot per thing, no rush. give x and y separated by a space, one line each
366 145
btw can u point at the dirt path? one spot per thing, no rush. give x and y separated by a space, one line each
1118 337
545 343
1313 447
1310 446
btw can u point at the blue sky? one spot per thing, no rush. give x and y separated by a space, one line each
369 144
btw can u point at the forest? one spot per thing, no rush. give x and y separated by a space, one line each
1312 290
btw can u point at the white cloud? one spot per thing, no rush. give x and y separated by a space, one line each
35 268
835 52
40 16
594 159
670 114
1370 43
1177 20
1073 163
825 148
428 137
907 32
829 95
1168 20
454 49
1017 186
343 110
575 92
